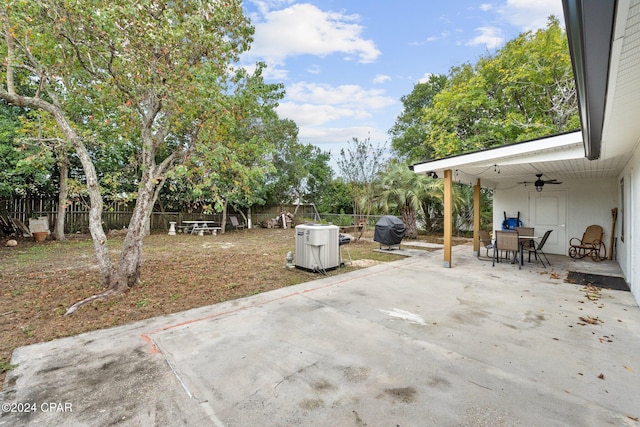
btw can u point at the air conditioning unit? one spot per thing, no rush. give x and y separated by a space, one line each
317 247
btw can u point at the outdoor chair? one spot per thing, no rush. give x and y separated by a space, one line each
236 224
526 231
485 241
590 245
507 241
536 248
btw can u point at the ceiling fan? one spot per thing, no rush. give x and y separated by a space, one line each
539 183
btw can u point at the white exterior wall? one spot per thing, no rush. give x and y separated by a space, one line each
589 201
629 250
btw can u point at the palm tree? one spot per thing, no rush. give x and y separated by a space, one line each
404 192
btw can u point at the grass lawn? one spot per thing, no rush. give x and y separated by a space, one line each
39 281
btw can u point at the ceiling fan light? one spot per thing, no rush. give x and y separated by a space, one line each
538 188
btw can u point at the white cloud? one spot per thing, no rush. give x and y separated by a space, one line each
443 35
304 29
309 115
264 6
338 137
530 14
381 78
314 69
271 72
425 78
347 109
346 95
486 6
490 37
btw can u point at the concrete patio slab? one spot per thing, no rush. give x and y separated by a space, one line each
406 343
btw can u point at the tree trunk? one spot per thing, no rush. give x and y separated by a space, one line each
127 271
409 219
224 216
58 229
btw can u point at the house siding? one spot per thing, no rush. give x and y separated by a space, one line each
628 253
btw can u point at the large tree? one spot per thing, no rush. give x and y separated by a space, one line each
360 165
301 171
409 131
160 75
523 91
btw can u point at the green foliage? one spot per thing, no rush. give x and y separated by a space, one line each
360 165
525 90
409 132
5 366
301 171
406 194
336 198
149 87
25 166
231 163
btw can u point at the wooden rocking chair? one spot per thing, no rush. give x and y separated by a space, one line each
590 245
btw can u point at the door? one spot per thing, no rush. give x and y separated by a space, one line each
548 211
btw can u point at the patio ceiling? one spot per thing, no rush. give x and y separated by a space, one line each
609 139
560 157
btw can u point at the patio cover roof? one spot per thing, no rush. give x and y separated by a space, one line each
604 39
560 157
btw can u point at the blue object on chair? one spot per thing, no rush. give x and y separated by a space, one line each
511 223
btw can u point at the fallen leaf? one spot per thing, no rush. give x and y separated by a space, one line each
632 418
629 369
591 320
601 376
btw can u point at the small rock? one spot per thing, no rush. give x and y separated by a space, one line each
11 243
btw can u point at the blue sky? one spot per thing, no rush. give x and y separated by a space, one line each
346 64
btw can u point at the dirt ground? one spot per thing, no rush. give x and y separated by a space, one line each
39 281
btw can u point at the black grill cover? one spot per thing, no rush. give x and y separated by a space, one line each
389 230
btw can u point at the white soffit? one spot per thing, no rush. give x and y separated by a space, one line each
621 129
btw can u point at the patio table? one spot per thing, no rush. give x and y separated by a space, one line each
201 226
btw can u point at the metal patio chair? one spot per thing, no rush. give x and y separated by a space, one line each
526 231
235 223
485 241
507 241
536 249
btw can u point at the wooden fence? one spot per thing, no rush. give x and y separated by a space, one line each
116 216
77 214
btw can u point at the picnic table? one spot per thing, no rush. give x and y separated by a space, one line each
200 227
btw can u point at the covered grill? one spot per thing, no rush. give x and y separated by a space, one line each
389 231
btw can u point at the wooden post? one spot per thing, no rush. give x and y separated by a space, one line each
614 217
448 216
476 218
